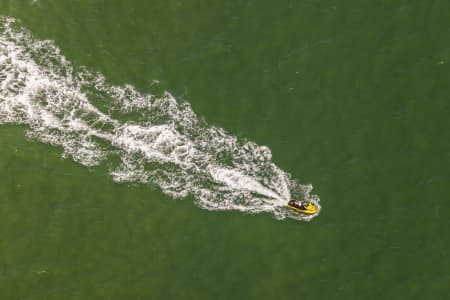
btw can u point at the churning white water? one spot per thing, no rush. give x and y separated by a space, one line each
155 140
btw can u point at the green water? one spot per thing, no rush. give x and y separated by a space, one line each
352 96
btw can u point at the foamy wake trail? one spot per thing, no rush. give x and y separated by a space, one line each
144 138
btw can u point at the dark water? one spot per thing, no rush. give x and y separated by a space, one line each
351 96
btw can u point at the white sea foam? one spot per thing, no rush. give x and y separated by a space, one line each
158 141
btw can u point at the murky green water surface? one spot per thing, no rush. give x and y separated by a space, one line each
352 96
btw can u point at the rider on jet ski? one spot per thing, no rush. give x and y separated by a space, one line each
300 205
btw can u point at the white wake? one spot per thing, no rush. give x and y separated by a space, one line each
146 139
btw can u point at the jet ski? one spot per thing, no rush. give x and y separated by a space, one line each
302 207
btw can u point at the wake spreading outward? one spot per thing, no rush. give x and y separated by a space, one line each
144 138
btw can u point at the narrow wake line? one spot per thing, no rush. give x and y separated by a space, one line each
144 138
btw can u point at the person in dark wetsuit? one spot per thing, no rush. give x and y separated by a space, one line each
295 204
302 205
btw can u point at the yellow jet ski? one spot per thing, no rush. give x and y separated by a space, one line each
302 207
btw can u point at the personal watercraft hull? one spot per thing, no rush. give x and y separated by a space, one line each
309 209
